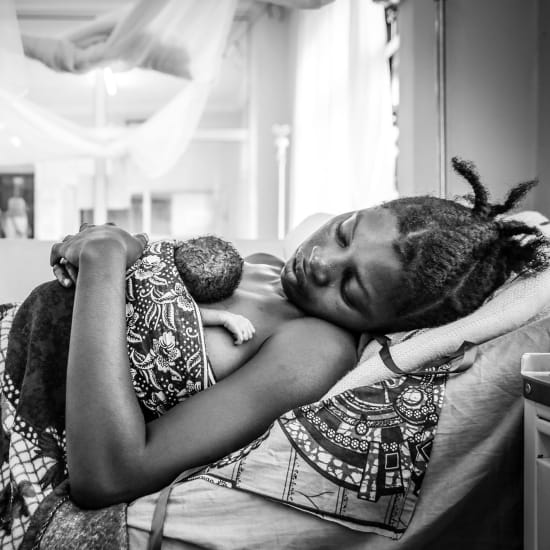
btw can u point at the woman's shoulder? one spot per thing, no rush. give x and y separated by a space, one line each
317 329
313 354
264 258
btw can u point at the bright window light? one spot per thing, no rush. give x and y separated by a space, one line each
110 81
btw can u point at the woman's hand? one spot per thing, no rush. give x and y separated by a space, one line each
65 256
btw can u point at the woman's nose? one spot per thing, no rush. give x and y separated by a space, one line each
322 269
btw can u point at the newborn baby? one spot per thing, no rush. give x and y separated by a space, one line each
166 347
211 269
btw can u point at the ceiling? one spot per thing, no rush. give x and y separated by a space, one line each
139 93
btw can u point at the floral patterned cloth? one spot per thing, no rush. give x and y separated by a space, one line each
168 360
168 363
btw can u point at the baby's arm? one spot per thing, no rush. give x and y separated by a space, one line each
241 328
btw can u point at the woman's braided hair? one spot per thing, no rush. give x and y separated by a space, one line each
455 256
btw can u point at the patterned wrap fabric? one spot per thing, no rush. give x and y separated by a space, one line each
358 458
168 363
168 360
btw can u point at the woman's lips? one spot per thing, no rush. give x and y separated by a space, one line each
299 269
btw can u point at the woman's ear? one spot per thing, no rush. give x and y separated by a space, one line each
304 229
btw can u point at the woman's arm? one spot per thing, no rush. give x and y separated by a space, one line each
113 455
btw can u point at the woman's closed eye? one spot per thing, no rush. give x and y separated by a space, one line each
340 236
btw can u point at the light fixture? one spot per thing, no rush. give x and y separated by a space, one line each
16 141
110 81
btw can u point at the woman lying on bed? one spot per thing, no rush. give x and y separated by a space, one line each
409 263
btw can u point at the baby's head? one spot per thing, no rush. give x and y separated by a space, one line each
210 267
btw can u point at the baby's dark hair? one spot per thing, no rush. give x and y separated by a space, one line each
210 267
455 255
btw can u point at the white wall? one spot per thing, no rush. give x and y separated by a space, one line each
270 103
417 117
492 90
493 75
542 193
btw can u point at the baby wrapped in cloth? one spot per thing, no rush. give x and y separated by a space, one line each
165 340
168 359
168 363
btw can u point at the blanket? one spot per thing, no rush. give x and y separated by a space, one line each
471 495
168 363
358 459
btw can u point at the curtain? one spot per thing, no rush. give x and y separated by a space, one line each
185 38
343 144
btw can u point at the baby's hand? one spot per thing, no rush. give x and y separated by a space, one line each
238 325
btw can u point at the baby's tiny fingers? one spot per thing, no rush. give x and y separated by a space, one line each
248 333
250 330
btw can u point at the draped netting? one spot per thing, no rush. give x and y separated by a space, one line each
185 38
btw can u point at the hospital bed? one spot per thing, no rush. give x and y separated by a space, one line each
472 494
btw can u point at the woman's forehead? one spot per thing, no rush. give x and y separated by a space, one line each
378 221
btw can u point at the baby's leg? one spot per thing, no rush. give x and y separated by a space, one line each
238 325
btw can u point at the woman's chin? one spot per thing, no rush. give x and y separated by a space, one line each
289 283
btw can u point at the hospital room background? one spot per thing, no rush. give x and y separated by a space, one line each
309 111
253 120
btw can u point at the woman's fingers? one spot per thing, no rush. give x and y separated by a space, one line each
56 253
63 271
61 274
72 272
65 255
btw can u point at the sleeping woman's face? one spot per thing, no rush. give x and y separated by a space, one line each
348 272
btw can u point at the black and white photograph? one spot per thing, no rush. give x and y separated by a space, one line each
275 274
